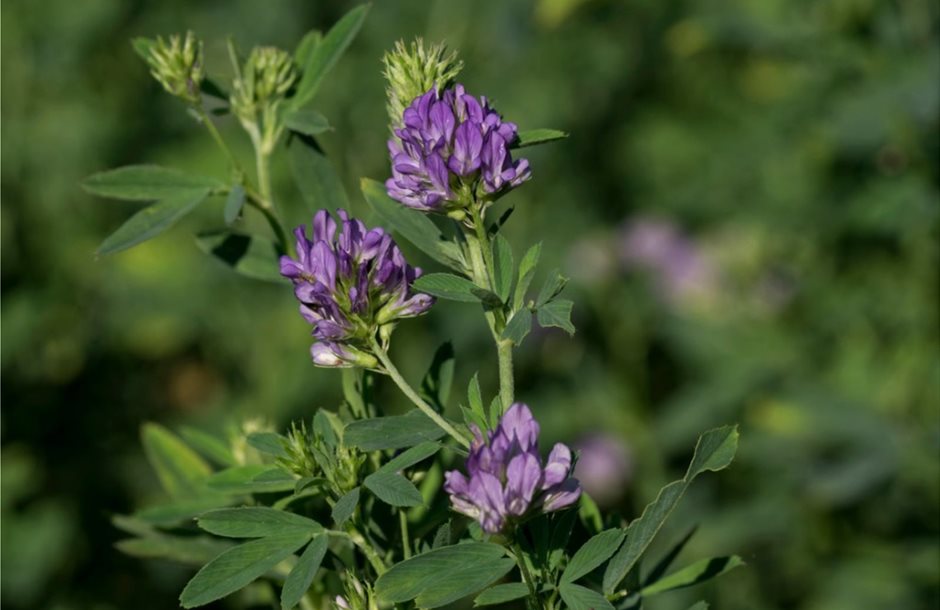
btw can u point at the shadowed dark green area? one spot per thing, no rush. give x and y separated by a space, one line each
791 145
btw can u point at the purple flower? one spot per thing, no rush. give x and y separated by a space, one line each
507 479
604 467
680 268
350 285
452 145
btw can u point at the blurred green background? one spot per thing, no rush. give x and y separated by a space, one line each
747 207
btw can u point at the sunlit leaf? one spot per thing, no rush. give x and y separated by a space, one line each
149 183
531 137
152 220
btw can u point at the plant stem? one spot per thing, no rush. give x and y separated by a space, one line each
408 391
526 576
405 544
363 545
482 270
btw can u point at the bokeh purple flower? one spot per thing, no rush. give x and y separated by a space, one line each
604 467
350 285
452 148
507 479
680 268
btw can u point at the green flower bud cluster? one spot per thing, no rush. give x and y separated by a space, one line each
266 77
414 70
319 452
176 64
358 596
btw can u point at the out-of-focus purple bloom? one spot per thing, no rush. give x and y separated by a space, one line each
604 467
452 144
506 478
349 285
680 268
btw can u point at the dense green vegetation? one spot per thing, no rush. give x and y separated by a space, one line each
789 150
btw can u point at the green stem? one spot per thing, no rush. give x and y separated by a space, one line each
363 545
482 270
408 391
533 600
405 544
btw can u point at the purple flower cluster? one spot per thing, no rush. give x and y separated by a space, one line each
506 475
452 145
349 285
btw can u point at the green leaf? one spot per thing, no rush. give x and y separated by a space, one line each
581 598
442 536
443 575
323 425
413 225
447 286
152 220
307 122
437 382
315 176
270 443
701 605
531 137
503 272
181 471
475 398
663 564
209 446
190 550
148 183
714 451
238 567
698 572
526 273
556 313
393 432
256 522
175 513
518 327
410 457
326 53
301 575
344 507
500 594
594 552
551 288
252 478
306 46
234 204
249 255
393 489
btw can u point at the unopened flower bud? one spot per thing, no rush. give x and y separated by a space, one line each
266 77
177 65
413 70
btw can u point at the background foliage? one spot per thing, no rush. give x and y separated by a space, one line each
792 145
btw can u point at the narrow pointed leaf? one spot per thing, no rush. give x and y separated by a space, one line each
581 598
209 446
326 53
182 472
526 272
519 326
551 288
698 572
306 47
315 177
152 220
447 286
189 550
267 442
307 122
256 522
234 204
500 594
531 137
301 575
594 552
344 507
238 567
392 432
437 382
252 478
503 274
148 183
393 489
714 451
